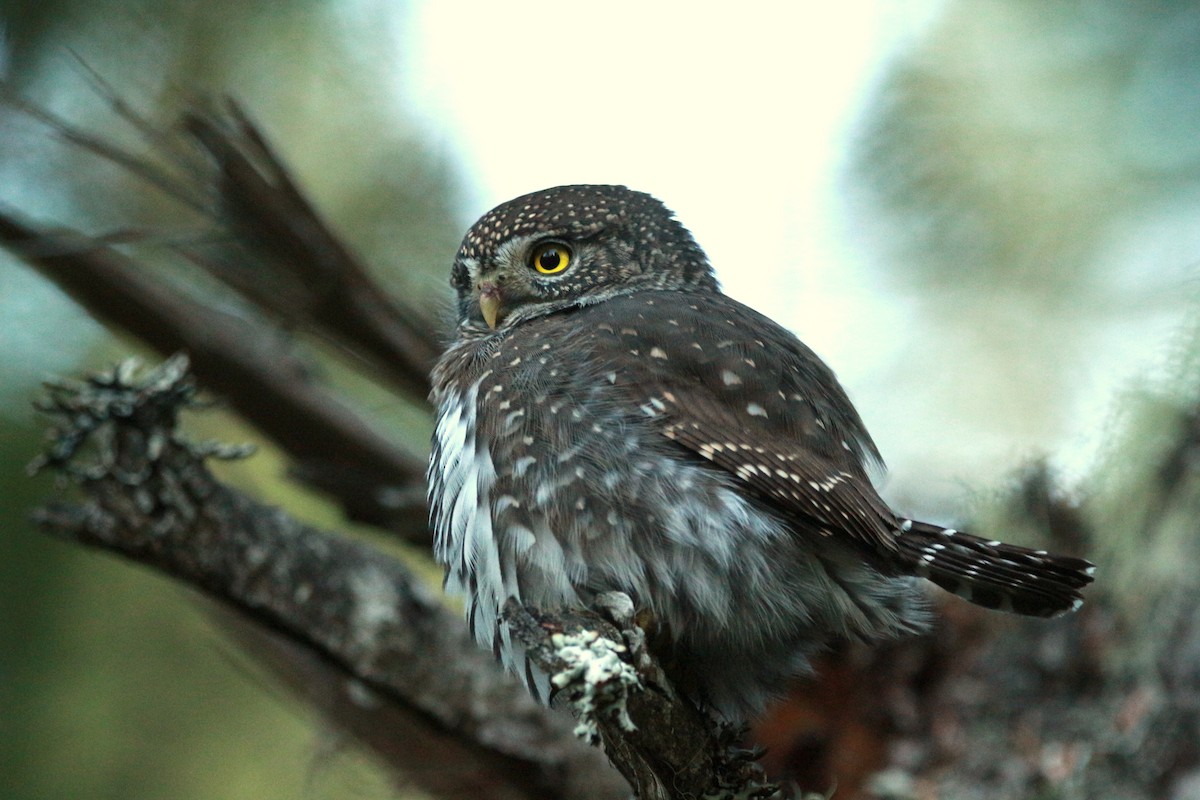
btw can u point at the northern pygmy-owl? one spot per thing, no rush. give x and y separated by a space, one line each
609 420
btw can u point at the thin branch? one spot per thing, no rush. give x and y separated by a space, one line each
153 174
270 244
325 286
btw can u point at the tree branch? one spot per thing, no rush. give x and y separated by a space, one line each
658 739
267 243
248 362
314 279
355 611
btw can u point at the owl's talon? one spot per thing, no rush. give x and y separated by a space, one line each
616 607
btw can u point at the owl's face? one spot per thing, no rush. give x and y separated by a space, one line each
569 246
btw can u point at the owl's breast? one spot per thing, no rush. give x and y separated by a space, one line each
581 490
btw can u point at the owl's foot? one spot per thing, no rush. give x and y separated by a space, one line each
616 607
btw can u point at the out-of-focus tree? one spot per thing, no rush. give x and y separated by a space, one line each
1028 186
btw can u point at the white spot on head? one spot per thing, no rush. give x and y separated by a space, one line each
755 410
730 378
658 352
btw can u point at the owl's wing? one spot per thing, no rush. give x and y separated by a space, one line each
738 390
741 392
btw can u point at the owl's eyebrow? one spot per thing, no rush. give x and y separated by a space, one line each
569 236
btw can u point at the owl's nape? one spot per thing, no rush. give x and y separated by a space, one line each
608 420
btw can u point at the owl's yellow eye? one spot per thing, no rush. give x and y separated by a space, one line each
551 258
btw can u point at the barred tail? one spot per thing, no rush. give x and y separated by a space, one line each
993 574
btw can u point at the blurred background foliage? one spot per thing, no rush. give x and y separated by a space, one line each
113 682
1012 274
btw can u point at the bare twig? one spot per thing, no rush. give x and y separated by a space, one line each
313 278
261 237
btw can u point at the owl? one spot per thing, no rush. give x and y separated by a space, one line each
608 420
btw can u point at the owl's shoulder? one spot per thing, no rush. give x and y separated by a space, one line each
715 353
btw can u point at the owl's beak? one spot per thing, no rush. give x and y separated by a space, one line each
489 304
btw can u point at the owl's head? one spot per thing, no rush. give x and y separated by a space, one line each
570 246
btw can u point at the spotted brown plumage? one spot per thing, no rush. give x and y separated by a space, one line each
608 420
